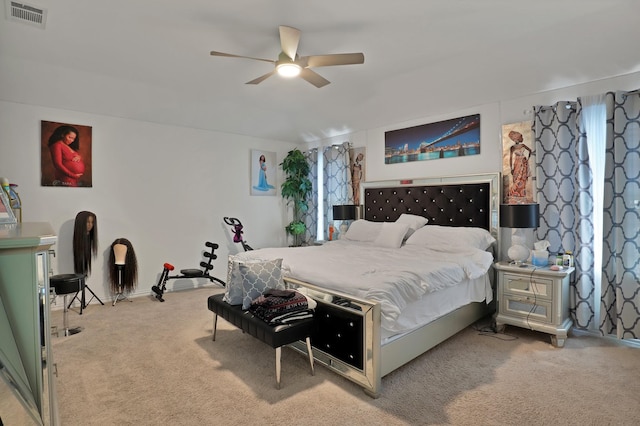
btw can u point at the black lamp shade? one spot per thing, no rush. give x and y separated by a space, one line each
345 212
519 215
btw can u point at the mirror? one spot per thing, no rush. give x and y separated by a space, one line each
14 409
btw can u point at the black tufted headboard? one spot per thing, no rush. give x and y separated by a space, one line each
465 204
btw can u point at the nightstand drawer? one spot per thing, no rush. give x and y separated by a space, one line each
530 307
525 285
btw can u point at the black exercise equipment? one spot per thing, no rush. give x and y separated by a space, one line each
188 273
237 232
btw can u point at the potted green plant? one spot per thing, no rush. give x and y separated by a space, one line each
296 189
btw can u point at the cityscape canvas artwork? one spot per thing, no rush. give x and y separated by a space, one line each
456 137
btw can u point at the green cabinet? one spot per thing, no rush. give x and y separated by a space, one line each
25 346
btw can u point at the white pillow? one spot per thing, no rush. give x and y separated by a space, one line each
363 230
415 222
439 236
233 289
391 234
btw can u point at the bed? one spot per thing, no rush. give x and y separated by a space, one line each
377 314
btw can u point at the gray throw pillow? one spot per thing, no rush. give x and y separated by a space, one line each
257 277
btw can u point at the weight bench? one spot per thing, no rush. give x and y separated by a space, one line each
159 288
275 336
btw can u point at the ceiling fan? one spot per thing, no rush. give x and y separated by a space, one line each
289 64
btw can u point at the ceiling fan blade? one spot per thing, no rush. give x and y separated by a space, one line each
261 78
289 39
313 78
335 59
229 55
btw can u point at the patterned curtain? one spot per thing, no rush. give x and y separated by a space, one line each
555 138
563 184
337 180
311 218
591 207
621 227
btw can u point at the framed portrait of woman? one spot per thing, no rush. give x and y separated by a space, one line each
263 172
357 160
65 155
518 163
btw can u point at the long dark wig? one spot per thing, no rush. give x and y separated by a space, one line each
129 269
85 243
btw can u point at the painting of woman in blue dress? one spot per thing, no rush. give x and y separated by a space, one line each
262 187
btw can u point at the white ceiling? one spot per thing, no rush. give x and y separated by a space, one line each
149 59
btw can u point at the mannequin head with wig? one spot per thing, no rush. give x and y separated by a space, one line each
127 275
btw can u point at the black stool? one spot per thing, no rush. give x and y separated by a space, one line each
64 285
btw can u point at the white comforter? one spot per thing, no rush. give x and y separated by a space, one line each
392 277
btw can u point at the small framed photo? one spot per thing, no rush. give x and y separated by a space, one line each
6 213
357 165
263 172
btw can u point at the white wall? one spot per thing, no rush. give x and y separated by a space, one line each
167 188
492 117
164 188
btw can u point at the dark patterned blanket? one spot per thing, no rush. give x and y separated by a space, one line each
281 306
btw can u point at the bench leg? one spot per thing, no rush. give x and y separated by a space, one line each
313 372
278 353
215 325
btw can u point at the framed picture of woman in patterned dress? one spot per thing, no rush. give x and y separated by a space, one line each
518 163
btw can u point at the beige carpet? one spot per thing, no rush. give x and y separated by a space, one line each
150 363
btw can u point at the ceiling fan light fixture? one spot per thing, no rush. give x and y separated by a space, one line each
288 70
289 64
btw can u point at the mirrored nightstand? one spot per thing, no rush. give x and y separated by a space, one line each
536 298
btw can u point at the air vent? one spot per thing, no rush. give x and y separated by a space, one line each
25 13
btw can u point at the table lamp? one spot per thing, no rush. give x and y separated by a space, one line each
346 213
520 217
